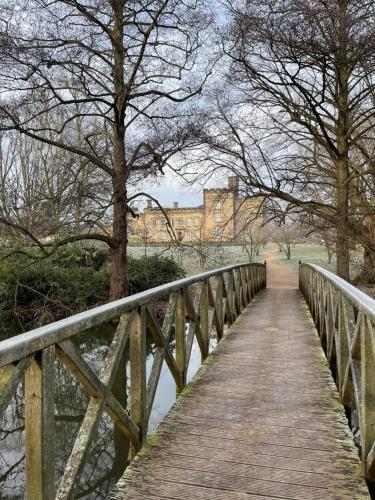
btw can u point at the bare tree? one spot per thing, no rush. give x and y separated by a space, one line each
252 238
46 192
285 236
308 69
121 74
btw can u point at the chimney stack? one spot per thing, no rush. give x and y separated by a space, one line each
149 203
234 184
175 205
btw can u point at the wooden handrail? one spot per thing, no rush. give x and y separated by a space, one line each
219 297
344 317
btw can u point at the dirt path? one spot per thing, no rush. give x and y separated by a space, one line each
280 275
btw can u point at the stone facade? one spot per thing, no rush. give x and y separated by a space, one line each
221 218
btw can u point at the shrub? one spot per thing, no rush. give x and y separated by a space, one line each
36 291
150 271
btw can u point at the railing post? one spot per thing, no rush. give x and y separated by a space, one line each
265 275
203 314
219 307
343 348
245 292
249 282
180 338
238 286
367 410
225 303
230 298
236 306
39 426
330 322
138 411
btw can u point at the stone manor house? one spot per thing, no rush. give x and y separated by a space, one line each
221 218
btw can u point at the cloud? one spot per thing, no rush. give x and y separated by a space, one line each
170 188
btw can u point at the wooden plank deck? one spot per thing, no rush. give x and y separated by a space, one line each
260 420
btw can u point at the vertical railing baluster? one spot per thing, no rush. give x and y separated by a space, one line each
229 287
249 282
138 410
225 306
219 307
236 292
367 410
180 337
324 307
203 314
330 323
343 347
243 286
238 284
39 426
235 306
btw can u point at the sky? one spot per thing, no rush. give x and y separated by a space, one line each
170 188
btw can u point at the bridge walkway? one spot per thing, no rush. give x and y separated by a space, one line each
260 420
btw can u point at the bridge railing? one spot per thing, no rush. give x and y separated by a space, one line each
197 306
345 318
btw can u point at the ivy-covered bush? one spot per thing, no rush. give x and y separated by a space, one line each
36 291
148 272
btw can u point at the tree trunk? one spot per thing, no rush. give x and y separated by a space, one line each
329 252
119 275
369 266
288 251
342 253
342 199
342 144
119 281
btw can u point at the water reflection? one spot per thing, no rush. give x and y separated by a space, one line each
108 453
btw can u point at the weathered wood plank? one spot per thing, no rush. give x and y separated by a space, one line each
138 409
204 319
39 426
180 340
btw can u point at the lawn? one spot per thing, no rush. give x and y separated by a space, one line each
312 254
218 256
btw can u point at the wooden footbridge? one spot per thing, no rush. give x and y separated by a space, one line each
270 414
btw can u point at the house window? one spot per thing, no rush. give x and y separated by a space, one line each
218 211
188 222
180 222
217 232
154 222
